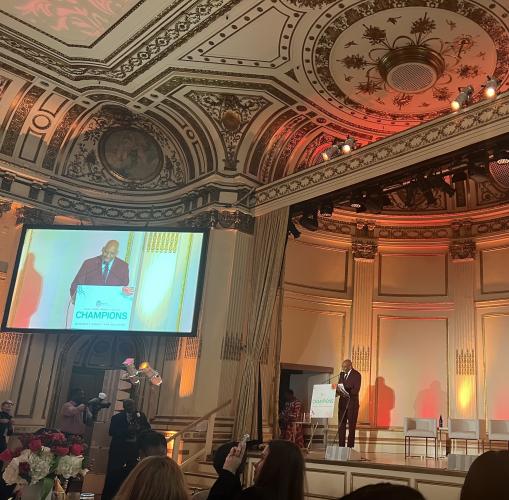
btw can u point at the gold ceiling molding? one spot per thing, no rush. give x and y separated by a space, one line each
131 58
440 136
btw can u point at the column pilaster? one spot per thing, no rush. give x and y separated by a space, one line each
462 366
364 252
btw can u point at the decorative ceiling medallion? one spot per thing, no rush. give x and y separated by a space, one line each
391 62
130 154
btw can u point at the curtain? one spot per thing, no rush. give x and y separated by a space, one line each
269 248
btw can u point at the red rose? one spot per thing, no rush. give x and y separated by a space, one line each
35 445
6 456
57 436
76 449
60 451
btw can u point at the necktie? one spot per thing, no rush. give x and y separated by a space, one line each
105 272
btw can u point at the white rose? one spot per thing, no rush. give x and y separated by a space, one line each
69 466
11 473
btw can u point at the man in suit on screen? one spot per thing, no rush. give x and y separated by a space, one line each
348 388
105 269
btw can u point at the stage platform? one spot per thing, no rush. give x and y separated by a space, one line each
329 480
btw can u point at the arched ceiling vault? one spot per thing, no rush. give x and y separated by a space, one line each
224 95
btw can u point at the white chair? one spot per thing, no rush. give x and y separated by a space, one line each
468 430
498 430
420 428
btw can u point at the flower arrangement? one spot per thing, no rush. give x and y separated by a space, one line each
41 459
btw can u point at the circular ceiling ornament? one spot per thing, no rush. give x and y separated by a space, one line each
130 154
411 69
387 61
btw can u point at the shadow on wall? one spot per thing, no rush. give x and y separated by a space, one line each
32 284
431 402
383 396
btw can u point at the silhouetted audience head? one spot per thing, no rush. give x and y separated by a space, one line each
487 477
384 491
154 478
220 456
281 471
151 444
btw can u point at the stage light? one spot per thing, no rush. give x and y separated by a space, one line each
463 99
426 189
501 156
309 219
131 370
348 145
357 201
150 373
292 229
332 151
491 87
327 209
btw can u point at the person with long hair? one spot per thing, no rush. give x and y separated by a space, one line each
154 478
279 475
487 477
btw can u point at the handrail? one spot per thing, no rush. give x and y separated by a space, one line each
194 423
178 436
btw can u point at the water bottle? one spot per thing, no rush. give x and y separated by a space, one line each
440 422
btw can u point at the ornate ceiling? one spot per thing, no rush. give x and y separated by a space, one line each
132 102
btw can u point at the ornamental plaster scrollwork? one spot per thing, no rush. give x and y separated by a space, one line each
463 250
222 219
364 249
231 115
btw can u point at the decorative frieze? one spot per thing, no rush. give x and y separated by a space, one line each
224 219
29 215
462 250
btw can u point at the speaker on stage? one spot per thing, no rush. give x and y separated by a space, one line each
341 453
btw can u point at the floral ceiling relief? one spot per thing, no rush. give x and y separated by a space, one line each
74 22
406 63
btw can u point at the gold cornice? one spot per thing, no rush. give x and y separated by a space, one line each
424 142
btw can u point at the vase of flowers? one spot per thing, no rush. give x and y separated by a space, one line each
41 460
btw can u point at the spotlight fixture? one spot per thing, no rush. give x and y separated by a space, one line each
491 87
292 229
357 202
348 145
309 219
333 150
501 156
326 209
463 99
131 370
426 189
150 373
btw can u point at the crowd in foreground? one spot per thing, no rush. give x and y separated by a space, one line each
279 475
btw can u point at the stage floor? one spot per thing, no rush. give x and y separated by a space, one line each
391 460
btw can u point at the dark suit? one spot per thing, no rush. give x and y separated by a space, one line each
349 407
123 454
91 273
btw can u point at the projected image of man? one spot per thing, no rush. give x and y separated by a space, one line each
105 269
